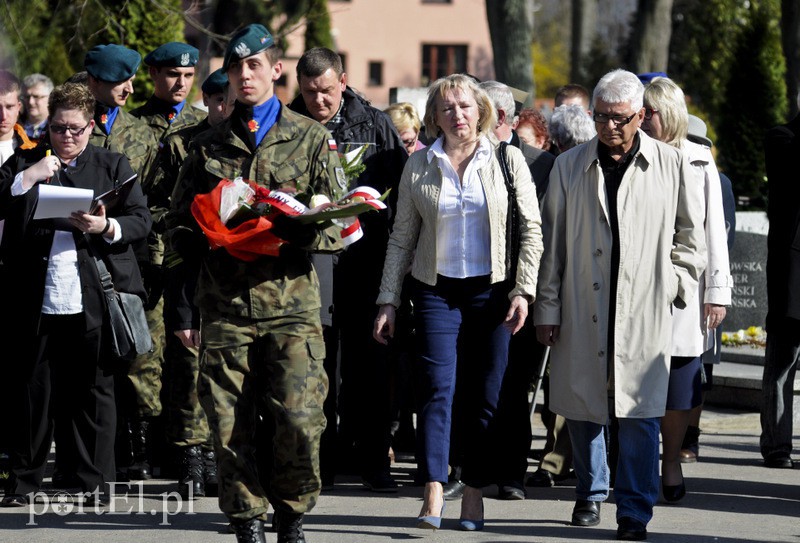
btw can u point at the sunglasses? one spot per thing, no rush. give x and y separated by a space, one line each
618 120
62 128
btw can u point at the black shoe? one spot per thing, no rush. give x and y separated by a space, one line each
673 493
94 500
510 492
65 481
289 527
191 482
778 461
249 531
379 482
586 513
210 473
14 500
140 469
629 529
453 490
544 479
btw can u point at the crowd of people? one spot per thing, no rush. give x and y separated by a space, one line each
592 246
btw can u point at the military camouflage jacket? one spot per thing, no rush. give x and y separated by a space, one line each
160 182
161 128
294 154
131 137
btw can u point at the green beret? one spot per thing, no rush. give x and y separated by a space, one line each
112 62
247 42
215 83
173 55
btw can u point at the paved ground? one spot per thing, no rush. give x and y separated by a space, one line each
732 499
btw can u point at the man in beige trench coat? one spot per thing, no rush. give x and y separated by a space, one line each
623 232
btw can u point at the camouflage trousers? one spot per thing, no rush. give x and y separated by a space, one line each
143 378
187 423
262 385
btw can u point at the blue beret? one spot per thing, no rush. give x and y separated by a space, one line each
247 42
173 55
112 62
216 82
649 76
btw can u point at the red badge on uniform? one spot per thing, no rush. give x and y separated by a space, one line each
171 116
104 118
332 145
252 125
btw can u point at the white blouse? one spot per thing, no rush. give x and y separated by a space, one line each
463 235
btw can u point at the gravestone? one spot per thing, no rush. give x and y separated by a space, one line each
749 270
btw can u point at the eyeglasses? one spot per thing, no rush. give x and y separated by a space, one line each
648 112
61 129
618 120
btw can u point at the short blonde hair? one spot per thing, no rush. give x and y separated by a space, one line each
404 116
487 117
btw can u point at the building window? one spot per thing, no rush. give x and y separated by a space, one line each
441 60
375 74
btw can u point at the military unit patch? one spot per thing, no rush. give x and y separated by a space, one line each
341 178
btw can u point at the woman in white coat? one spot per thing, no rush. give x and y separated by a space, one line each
667 119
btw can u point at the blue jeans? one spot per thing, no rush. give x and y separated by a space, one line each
636 484
459 322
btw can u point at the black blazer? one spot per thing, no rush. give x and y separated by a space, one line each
539 163
26 243
781 150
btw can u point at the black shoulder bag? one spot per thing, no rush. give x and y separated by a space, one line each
512 219
125 319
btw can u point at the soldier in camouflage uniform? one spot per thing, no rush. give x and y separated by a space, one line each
111 70
171 67
262 382
186 423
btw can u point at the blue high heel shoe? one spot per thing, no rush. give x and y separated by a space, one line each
472 525
431 522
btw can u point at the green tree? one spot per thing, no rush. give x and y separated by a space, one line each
755 98
143 25
318 25
510 28
31 41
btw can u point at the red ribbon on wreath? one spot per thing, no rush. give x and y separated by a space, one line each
246 241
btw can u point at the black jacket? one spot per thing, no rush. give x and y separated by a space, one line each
539 163
361 265
781 149
26 243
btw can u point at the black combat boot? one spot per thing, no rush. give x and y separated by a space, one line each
249 531
190 474
210 472
140 468
289 527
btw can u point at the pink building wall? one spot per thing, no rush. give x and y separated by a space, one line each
393 32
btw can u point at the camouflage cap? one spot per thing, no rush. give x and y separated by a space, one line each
249 41
112 62
173 55
215 83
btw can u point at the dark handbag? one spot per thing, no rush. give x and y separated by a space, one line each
512 220
129 335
